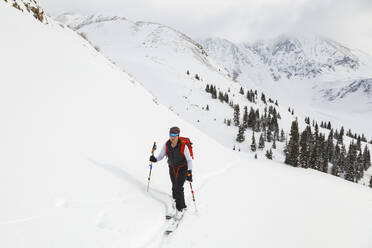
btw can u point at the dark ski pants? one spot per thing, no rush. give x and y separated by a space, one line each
178 177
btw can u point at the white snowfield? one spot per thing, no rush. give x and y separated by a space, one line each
76 134
159 57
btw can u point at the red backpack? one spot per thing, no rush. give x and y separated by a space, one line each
184 141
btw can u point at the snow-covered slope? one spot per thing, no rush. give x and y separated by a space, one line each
159 58
76 134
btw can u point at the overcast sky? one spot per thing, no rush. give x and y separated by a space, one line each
346 21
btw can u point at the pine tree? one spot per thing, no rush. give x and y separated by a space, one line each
245 117
241 91
370 182
335 170
304 148
253 144
226 97
329 126
359 143
351 163
207 108
251 118
220 96
263 98
214 92
257 124
316 132
236 115
366 158
336 162
261 142
269 154
340 136
324 160
207 89
240 137
359 172
293 146
188 73
330 146
342 161
313 160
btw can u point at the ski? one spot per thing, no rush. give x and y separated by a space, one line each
174 224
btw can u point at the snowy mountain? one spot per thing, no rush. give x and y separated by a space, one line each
146 36
308 72
167 63
362 86
292 57
76 134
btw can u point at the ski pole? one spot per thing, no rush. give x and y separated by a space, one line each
192 192
152 152
193 196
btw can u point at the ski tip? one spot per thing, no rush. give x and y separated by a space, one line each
168 232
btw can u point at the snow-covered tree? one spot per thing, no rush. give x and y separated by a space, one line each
236 115
293 146
240 137
261 142
253 144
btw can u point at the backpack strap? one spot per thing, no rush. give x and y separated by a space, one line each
183 143
186 141
166 147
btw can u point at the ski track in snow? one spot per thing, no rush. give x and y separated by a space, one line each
157 238
159 196
20 220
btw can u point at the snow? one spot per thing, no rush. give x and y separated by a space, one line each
76 133
289 208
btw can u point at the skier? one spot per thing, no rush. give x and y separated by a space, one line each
179 153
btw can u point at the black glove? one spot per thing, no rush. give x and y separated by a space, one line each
153 159
189 176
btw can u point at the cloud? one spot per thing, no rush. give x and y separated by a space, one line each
241 20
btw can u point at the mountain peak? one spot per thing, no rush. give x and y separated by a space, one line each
291 56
